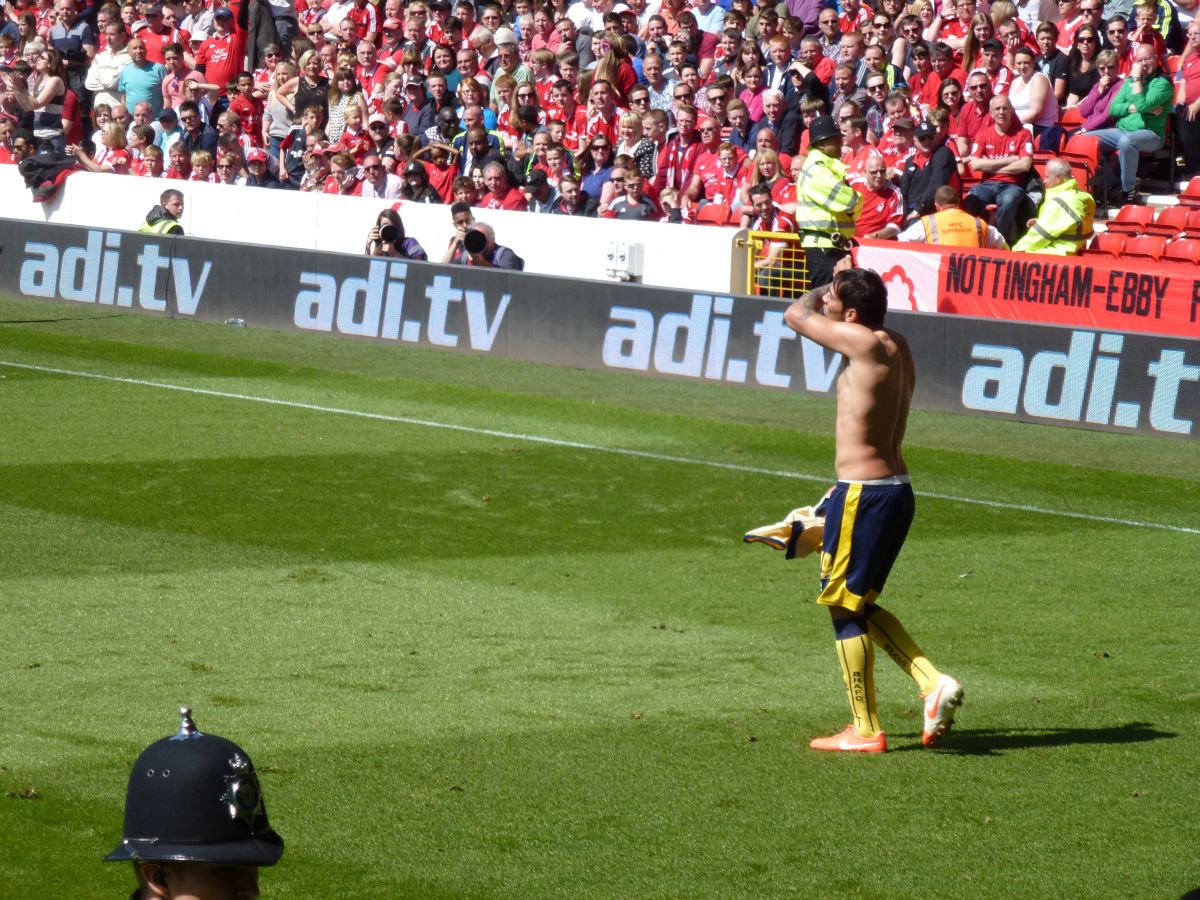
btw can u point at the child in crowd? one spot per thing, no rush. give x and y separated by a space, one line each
248 107
204 168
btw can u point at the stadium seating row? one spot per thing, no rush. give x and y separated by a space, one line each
1146 246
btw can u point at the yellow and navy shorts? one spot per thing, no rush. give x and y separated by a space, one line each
866 523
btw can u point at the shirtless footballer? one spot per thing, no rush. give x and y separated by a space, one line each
869 511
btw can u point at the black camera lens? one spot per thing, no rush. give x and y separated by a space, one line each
388 233
475 241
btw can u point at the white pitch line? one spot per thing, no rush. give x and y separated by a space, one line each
580 445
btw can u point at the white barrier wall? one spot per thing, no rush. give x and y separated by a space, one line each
678 256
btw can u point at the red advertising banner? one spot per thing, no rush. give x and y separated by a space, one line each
1110 294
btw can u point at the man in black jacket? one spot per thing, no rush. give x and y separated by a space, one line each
930 167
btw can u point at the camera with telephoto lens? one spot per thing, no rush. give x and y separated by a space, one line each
388 233
475 241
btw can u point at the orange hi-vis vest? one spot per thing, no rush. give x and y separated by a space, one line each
954 228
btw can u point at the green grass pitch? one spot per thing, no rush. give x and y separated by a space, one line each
472 663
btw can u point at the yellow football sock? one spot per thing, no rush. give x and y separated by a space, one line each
886 631
857 657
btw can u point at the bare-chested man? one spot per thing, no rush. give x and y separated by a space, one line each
868 513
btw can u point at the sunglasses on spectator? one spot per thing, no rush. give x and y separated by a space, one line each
639 99
977 87
224 165
599 147
876 87
684 96
1117 30
709 128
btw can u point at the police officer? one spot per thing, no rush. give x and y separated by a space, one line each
950 226
1064 223
164 218
195 823
826 206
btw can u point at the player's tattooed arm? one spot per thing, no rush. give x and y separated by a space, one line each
812 303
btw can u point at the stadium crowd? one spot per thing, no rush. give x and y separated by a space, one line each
649 111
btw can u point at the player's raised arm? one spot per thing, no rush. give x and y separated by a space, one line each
820 317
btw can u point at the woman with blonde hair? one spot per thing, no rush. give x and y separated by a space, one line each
764 169
279 110
634 144
110 155
614 66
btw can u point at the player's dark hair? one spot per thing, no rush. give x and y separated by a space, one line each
862 290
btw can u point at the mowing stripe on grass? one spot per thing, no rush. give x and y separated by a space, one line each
580 445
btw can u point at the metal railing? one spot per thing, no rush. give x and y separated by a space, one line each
775 264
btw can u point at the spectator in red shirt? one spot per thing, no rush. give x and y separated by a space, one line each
974 113
702 45
716 176
883 206
248 107
812 55
365 19
219 58
1003 154
1187 113
501 193
156 35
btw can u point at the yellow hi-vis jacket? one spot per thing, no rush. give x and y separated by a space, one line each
954 228
162 226
825 204
1064 223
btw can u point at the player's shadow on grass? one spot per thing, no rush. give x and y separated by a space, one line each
994 741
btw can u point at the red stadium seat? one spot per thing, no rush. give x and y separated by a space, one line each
1083 152
1071 118
1143 246
713 214
1183 250
1132 219
1173 63
1191 193
1106 243
735 217
1170 221
1083 148
1192 229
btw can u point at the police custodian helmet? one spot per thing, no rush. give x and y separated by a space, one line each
195 797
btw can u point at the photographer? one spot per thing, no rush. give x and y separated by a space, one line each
474 243
387 239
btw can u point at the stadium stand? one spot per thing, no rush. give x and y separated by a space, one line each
432 93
